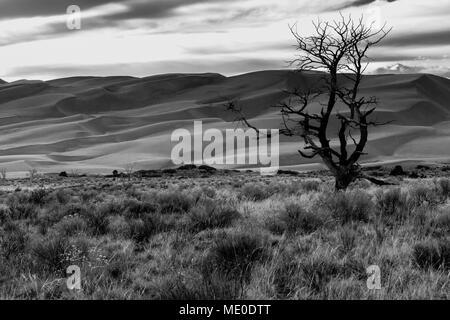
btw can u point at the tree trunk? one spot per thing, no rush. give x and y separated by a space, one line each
345 176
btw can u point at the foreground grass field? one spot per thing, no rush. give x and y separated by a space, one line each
224 236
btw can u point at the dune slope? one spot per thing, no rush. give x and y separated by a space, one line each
97 124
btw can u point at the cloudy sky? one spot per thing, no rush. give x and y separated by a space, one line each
145 37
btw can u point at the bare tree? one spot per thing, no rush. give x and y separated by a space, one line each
32 173
129 169
3 172
338 49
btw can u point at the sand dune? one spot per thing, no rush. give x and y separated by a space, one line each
97 124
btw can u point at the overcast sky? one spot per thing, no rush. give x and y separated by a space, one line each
145 37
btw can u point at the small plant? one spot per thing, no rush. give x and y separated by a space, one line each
13 240
174 201
210 215
348 206
255 192
444 187
392 204
233 255
348 237
421 195
432 254
49 254
138 209
297 219
141 230
38 196
20 208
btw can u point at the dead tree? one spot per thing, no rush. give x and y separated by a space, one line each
129 169
338 49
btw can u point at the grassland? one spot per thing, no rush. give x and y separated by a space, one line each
223 235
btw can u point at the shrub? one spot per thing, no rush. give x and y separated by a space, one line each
97 221
294 218
442 222
71 225
38 196
255 191
348 237
62 196
348 206
310 185
141 230
432 254
20 208
313 271
444 187
5 213
392 204
137 209
13 240
421 195
49 254
397 171
317 270
119 227
174 201
210 215
234 254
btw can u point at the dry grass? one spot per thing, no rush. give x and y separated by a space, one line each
225 237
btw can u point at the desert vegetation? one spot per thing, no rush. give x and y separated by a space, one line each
213 235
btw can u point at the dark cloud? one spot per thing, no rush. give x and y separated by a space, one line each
359 3
430 38
148 9
31 8
155 9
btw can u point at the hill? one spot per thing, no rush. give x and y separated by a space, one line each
97 124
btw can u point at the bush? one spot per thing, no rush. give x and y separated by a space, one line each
141 230
444 187
5 213
310 185
119 227
20 208
97 221
421 195
209 215
432 254
255 191
62 196
38 196
295 218
397 171
348 206
313 272
391 204
13 240
49 254
233 256
174 201
137 209
71 225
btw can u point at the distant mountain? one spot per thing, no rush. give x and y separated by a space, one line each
102 123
